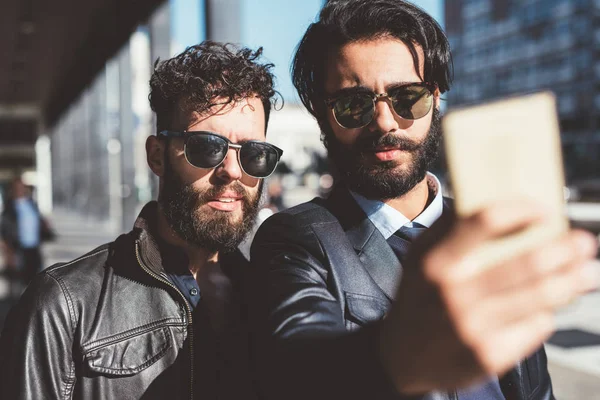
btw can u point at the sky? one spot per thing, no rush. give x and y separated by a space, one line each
289 19
185 27
276 25
434 7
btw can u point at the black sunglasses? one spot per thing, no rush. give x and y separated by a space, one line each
356 110
208 150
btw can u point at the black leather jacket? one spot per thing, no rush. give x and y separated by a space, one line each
108 325
327 277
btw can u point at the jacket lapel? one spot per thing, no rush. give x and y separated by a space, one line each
448 208
379 260
376 255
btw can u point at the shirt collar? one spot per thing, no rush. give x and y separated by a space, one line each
388 220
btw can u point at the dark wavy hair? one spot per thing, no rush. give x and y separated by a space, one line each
345 21
194 80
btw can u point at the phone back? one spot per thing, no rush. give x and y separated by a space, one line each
508 149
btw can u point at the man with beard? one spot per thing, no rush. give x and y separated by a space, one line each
347 311
155 314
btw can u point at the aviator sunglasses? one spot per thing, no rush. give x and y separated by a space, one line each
357 109
208 150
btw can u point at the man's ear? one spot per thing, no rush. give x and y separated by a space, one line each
155 154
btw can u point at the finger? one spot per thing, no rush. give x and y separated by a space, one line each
497 220
572 248
544 295
503 217
504 348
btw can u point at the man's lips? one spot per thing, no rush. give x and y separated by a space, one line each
387 153
226 202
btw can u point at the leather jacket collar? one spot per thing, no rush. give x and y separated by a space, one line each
151 248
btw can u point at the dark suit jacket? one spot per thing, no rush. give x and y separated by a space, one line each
326 277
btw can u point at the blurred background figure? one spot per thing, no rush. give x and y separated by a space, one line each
22 231
275 193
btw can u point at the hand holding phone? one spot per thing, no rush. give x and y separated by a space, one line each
478 295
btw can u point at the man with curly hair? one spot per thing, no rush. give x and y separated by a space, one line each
356 306
156 313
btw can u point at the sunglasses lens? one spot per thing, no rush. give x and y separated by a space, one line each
205 151
353 111
411 101
258 159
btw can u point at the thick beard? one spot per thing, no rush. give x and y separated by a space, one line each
385 180
213 230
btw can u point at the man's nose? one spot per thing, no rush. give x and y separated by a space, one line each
384 119
230 169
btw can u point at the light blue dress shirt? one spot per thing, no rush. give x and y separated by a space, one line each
28 221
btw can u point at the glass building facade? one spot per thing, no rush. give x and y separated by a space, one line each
503 47
97 146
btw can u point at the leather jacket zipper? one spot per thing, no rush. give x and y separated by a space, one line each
188 311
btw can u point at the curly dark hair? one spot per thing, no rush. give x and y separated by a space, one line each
346 21
193 80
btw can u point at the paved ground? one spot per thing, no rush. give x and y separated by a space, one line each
573 384
573 352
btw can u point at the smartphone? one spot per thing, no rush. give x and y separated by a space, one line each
508 149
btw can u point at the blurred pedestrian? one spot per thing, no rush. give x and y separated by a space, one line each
156 313
275 195
22 230
359 309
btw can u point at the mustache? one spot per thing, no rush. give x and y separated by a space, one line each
370 144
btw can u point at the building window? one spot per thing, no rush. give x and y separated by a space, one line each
566 103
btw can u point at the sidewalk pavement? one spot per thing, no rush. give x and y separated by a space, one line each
573 351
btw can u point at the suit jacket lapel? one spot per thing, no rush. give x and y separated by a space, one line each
381 263
376 255
448 207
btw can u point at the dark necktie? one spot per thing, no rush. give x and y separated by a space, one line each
401 240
